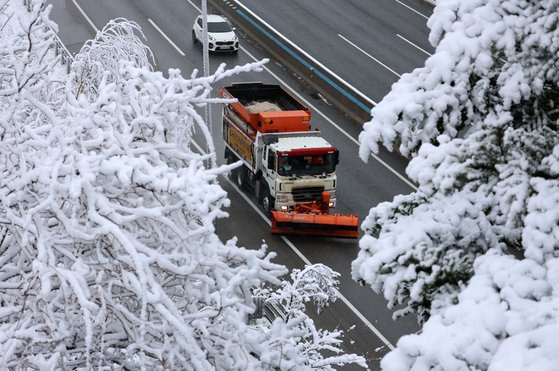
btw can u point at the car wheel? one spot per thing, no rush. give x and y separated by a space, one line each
268 201
194 39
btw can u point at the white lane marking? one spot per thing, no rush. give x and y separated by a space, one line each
369 55
344 299
412 44
304 259
85 16
166 37
308 262
412 9
194 6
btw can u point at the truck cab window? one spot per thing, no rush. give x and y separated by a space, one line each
271 160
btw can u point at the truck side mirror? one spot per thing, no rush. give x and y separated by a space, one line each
337 157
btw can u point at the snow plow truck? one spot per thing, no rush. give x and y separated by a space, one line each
289 167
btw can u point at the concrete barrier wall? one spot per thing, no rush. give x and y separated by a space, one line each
318 76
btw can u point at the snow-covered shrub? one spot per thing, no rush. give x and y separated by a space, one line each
99 58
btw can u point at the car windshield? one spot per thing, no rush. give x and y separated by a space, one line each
306 165
219 27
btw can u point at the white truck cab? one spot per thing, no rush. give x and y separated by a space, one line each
298 169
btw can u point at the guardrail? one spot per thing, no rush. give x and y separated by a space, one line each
331 86
268 309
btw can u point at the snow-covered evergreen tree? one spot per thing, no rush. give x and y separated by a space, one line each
476 248
108 253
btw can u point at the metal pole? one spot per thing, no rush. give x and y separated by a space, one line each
206 62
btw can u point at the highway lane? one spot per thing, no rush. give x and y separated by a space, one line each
369 44
360 186
75 29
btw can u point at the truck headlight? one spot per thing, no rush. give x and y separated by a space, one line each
332 194
282 198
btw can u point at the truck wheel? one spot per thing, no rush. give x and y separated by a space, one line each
232 173
268 202
241 177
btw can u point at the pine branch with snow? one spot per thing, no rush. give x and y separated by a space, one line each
480 121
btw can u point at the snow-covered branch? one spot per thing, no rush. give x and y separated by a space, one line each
322 348
474 251
108 251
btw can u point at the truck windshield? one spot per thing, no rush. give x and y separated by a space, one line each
306 165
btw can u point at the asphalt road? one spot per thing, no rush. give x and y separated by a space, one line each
369 44
361 185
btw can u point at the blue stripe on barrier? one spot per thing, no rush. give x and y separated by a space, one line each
305 63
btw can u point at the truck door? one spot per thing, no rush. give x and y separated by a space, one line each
269 162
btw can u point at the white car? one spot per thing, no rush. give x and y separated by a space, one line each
221 36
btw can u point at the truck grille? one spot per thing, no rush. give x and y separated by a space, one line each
308 194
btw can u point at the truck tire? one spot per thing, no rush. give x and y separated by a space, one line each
233 173
241 177
268 201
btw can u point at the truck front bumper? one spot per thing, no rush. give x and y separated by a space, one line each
290 205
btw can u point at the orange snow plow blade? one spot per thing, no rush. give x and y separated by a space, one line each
334 225
313 219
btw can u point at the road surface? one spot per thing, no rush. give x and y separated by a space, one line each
167 25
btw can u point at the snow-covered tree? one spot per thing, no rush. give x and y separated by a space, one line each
108 252
99 58
25 55
477 245
316 284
